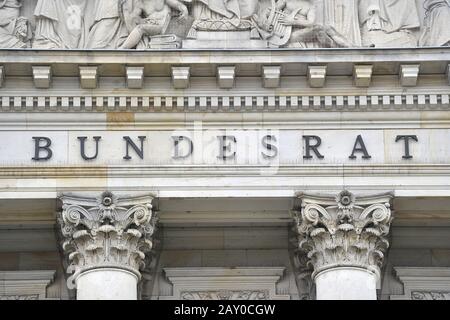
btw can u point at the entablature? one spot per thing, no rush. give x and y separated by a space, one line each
226 80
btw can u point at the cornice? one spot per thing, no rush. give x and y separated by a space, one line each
224 80
239 56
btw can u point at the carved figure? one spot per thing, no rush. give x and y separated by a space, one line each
293 23
108 30
342 15
388 22
222 15
217 10
14 29
149 18
60 24
436 29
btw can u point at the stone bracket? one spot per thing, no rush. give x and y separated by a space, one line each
88 77
181 77
317 76
409 74
226 76
135 77
362 75
271 76
42 76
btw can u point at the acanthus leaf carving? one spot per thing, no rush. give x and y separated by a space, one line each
106 231
343 231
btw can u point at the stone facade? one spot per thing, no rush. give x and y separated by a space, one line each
236 149
174 24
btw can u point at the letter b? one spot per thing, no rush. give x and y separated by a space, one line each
44 148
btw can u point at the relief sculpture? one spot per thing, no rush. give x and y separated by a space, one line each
388 23
108 30
60 24
14 29
147 21
222 24
293 23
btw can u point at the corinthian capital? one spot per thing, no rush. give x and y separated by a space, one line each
343 230
106 232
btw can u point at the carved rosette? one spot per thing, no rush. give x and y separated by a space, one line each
343 231
106 232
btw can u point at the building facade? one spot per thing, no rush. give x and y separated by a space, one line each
217 149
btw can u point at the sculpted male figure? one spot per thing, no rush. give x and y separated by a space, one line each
149 18
14 29
300 16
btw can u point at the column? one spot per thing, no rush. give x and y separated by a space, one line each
342 240
106 240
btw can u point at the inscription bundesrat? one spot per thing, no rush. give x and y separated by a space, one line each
43 150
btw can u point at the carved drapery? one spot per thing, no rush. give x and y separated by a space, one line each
113 24
342 231
106 232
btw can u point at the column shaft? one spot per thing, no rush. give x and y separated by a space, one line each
107 284
346 284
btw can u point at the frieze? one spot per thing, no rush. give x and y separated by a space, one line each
225 295
175 24
20 297
430 295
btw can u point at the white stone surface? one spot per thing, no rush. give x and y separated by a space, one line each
107 284
344 283
336 147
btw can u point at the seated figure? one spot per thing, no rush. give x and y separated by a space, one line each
14 29
149 18
388 23
292 23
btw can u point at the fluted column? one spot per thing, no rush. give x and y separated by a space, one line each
106 240
343 240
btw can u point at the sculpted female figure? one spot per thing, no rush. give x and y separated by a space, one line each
108 29
60 24
437 17
14 29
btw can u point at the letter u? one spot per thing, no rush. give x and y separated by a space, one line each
83 147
